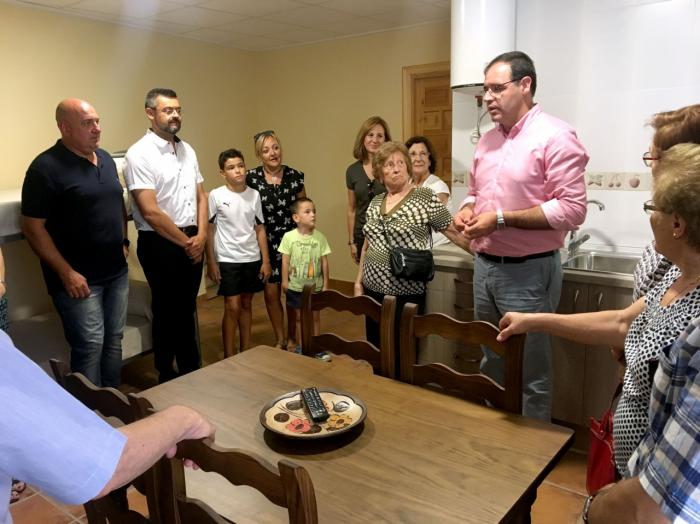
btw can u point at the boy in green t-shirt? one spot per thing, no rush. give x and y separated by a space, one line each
304 259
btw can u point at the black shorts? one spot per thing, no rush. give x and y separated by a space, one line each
294 299
237 278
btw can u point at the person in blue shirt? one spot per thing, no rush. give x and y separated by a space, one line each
52 441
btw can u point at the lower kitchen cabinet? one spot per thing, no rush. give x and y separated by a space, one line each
585 376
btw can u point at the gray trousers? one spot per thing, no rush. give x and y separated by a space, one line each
533 286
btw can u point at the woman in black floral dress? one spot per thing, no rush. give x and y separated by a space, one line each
279 186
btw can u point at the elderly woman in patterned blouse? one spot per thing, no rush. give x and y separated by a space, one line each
279 186
404 217
653 322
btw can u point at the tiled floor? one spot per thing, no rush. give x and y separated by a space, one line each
559 500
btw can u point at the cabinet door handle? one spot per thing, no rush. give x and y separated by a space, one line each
457 306
600 300
577 293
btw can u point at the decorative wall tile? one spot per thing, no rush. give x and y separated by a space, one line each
618 180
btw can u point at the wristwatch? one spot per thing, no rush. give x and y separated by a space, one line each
586 508
126 242
500 221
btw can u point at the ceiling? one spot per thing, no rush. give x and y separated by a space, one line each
256 25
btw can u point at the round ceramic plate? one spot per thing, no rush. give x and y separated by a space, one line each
286 415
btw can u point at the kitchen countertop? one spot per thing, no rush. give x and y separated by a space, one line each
450 256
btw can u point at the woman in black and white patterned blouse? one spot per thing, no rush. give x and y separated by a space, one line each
652 323
279 186
403 217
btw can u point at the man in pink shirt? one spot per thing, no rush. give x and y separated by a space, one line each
526 191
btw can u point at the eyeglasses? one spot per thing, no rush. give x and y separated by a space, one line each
648 159
497 90
256 136
168 111
649 207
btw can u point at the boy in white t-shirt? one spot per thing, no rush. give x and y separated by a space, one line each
235 246
304 259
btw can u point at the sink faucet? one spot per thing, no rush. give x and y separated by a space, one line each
598 203
574 241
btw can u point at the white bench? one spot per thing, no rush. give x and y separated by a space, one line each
41 337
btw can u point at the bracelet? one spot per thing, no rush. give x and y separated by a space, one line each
586 508
500 221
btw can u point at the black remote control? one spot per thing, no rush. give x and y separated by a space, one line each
314 404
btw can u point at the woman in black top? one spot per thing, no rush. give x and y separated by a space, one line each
279 186
360 181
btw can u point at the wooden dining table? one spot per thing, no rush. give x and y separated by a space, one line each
420 455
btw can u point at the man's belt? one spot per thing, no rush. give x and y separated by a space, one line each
515 260
190 231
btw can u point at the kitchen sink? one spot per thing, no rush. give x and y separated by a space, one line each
603 262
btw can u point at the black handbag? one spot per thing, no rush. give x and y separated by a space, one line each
411 264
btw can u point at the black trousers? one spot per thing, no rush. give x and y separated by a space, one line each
372 328
174 282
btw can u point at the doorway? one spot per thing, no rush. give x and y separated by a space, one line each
427 111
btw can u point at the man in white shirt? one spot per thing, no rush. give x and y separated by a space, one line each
163 177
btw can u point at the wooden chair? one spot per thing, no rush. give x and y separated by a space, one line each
109 402
476 387
382 360
60 369
287 486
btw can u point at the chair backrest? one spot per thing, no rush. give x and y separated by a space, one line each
59 369
477 386
381 359
287 486
110 402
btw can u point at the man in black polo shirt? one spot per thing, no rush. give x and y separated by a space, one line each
73 217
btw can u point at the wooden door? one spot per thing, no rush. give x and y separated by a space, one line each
428 111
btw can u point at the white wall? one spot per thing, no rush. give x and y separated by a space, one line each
606 66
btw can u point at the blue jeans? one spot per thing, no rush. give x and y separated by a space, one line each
533 286
94 327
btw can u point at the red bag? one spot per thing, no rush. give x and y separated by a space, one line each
601 468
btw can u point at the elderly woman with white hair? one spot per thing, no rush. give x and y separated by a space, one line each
403 217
